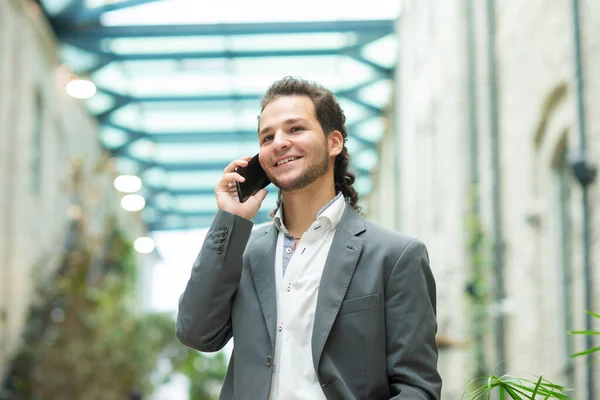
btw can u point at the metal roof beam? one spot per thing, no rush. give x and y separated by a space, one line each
119 103
205 137
196 55
68 12
199 166
385 72
154 191
208 213
88 15
350 94
139 31
167 99
98 66
201 137
353 51
261 217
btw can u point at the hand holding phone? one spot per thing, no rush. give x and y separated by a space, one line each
255 179
228 193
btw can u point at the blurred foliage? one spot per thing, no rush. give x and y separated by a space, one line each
593 349
477 287
87 338
512 387
205 373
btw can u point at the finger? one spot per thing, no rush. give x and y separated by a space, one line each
231 177
241 162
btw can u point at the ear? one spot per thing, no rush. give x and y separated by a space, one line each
336 143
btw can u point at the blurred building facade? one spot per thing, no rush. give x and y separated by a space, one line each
44 134
486 114
481 138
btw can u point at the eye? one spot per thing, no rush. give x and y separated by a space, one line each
267 138
297 129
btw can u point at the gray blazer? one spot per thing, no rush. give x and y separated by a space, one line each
375 322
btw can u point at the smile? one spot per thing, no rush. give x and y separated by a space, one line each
286 160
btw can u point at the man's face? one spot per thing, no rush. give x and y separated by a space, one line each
294 151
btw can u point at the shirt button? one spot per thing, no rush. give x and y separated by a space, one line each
280 327
289 287
288 250
269 361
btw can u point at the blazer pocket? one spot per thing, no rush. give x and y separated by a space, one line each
360 304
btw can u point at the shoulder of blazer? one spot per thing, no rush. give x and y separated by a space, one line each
396 242
387 234
260 230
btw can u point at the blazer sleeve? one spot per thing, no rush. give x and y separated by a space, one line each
411 326
204 314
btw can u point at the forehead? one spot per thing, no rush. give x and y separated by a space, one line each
287 107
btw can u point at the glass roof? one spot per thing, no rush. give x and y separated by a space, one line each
179 84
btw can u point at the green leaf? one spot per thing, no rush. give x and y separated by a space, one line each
512 393
588 351
593 314
518 388
537 387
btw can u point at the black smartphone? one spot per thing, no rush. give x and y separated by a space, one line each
256 179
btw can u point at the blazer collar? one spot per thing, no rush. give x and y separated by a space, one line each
352 221
339 268
262 261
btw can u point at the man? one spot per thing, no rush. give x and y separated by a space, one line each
321 304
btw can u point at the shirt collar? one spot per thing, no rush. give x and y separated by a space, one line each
332 211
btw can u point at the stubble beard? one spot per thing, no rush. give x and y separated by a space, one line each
308 176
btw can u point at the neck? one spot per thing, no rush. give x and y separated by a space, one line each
300 207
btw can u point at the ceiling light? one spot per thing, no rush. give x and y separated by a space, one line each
144 245
128 183
133 202
81 88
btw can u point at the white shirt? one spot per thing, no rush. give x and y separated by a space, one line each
297 288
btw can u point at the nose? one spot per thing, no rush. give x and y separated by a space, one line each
280 141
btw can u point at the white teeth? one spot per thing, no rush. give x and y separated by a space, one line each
286 160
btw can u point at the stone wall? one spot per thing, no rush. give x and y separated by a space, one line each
445 95
42 131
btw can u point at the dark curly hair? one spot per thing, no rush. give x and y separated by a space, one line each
331 117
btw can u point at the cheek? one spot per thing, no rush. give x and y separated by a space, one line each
262 157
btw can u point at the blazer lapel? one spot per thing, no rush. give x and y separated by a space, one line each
339 268
262 267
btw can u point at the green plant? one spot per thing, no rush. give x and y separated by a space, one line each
588 351
518 389
205 373
477 288
85 336
85 339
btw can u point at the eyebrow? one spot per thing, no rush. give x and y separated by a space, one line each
290 121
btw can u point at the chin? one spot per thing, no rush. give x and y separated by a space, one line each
286 185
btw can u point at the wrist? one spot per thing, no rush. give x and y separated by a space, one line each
238 214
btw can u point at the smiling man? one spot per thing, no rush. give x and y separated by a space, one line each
321 304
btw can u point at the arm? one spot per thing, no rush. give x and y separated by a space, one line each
204 317
410 310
